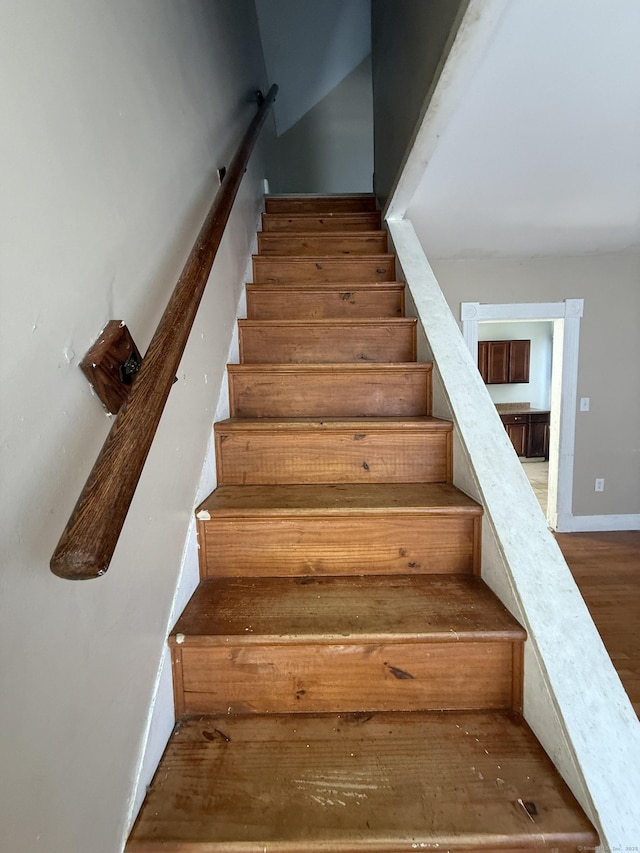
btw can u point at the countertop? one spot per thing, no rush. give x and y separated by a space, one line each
519 409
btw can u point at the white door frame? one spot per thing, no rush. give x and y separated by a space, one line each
564 392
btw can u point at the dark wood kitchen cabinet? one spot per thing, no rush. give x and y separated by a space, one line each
538 435
528 431
501 362
517 430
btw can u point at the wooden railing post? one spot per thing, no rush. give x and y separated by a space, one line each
90 537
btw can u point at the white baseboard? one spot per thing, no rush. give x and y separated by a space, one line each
595 523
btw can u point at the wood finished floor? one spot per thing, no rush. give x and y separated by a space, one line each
606 567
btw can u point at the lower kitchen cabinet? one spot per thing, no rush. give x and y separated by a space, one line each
538 437
528 431
518 435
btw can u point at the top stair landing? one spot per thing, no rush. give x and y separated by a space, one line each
352 203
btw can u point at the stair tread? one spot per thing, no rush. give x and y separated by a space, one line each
329 236
345 202
358 423
381 257
346 783
398 608
281 223
334 367
352 244
325 285
386 499
340 322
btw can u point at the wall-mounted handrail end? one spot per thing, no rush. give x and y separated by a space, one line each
76 566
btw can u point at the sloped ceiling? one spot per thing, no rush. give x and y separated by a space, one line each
542 155
309 47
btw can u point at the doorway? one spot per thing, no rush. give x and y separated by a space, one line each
565 317
530 396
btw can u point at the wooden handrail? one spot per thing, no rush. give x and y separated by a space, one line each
90 537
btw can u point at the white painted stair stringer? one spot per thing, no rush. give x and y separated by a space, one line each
574 700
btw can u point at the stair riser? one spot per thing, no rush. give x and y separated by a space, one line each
290 678
299 343
322 244
256 393
293 270
273 222
282 545
316 456
264 303
319 204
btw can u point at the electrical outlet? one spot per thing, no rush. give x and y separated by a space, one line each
584 404
599 484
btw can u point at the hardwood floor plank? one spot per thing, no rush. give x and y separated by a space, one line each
606 567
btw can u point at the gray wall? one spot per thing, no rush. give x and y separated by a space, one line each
330 149
409 38
606 436
115 118
309 47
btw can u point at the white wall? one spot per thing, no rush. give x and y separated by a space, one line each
409 40
537 390
542 154
606 436
309 48
115 117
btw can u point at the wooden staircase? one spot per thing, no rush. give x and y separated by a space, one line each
344 681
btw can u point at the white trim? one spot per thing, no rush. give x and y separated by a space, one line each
467 51
570 311
596 523
505 311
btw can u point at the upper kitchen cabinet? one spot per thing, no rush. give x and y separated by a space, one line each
501 362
